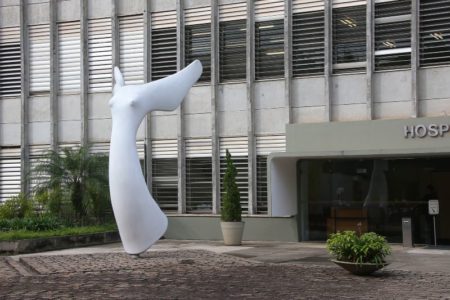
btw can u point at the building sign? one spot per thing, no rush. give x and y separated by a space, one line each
433 207
421 130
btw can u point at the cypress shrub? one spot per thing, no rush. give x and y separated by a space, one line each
231 209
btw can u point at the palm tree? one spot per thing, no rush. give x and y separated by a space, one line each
75 175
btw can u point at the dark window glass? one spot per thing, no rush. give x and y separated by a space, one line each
198 46
269 49
165 183
232 55
10 69
349 39
199 185
164 52
434 32
393 35
308 33
261 185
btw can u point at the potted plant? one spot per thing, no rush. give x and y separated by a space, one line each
231 220
358 254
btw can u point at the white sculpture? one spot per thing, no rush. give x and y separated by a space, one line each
139 219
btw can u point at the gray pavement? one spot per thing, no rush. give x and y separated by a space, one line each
208 269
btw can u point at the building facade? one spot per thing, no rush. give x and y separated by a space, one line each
285 83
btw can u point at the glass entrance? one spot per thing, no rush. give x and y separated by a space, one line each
374 195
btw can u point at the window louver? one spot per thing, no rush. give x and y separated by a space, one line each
264 146
131 39
198 176
10 174
39 58
434 32
100 55
269 49
198 39
232 42
308 43
349 36
393 34
165 174
164 44
10 62
69 56
238 148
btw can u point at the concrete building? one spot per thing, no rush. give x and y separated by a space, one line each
335 111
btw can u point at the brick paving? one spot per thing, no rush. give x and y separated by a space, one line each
199 274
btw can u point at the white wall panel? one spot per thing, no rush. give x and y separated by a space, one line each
197 125
10 134
39 109
232 97
100 130
311 114
434 83
10 110
393 110
349 89
98 106
269 94
392 86
349 112
39 133
233 123
69 107
164 127
198 100
308 92
270 121
69 131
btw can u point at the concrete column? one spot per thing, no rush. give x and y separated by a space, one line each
215 141
370 25
288 60
148 78
250 49
24 69
180 114
115 35
54 74
414 59
84 68
328 64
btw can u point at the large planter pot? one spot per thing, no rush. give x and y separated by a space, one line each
362 269
232 233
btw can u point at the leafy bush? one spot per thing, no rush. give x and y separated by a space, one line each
16 207
37 223
231 210
367 248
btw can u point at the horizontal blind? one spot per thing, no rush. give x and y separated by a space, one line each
164 44
392 34
349 36
37 157
267 10
165 174
198 176
10 62
198 39
39 36
131 40
238 148
308 37
10 173
232 12
69 56
264 146
434 32
100 54
269 49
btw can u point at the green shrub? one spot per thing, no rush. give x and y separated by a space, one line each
37 223
16 207
231 210
367 248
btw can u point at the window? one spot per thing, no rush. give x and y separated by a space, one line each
269 49
232 55
393 34
10 176
308 43
198 185
69 56
164 44
165 183
131 40
100 55
39 58
434 32
198 46
261 184
10 62
349 38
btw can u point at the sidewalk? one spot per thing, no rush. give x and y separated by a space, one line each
209 270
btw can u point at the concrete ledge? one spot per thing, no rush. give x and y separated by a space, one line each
257 228
55 243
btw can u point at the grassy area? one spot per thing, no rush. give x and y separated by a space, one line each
24 234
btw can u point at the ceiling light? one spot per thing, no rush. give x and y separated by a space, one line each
437 35
389 43
348 22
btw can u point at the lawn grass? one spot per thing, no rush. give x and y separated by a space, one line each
66 231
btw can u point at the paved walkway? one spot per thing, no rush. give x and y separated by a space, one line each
209 270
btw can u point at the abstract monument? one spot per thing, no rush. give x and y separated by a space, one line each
139 219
